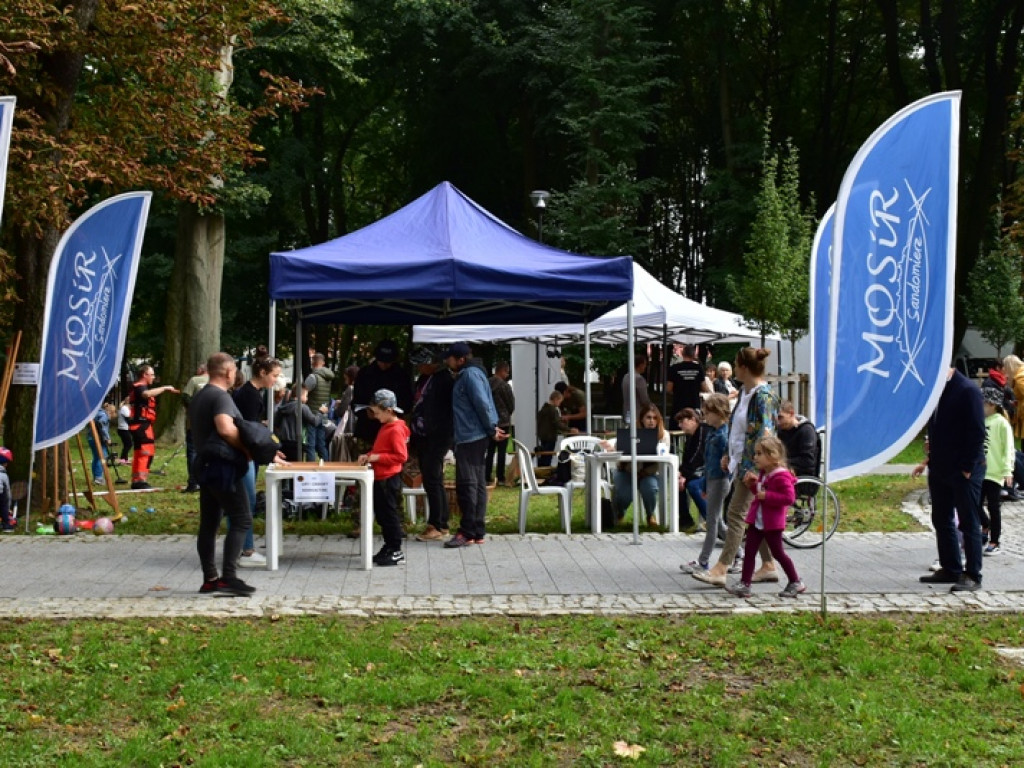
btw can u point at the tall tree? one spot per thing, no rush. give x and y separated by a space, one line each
117 97
994 303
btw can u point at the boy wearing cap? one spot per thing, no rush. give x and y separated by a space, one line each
387 456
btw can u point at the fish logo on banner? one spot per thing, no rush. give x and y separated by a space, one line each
6 127
893 259
88 298
821 287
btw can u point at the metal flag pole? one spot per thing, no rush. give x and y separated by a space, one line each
633 479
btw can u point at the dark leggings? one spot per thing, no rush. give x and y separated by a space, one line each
126 442
774 541
991 492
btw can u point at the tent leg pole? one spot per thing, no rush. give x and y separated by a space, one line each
298 382
633 479
586 378
272 344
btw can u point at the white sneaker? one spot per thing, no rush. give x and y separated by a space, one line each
935 566
252 560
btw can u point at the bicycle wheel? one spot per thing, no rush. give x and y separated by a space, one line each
804 518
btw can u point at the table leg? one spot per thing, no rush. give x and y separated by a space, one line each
366 523
594 494
273 521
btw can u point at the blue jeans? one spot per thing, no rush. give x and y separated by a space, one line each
97 459
622 492
316 443
694 489
249 481
954 496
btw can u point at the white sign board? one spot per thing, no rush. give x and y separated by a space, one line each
26 374
315 487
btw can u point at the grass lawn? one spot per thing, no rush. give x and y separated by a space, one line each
868 503
781 690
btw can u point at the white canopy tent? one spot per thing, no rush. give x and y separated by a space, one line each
660 316
659 313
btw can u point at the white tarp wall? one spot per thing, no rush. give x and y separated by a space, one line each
534 375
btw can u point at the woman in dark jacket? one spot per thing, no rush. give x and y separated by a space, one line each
691 465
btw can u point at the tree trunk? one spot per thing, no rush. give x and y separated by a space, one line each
192 323
193 309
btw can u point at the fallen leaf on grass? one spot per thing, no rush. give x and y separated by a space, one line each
632 751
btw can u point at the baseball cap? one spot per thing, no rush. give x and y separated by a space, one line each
458 349
386 351
992 395
383 398
6 456
423 356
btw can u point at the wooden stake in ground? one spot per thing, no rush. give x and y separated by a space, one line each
111 497
5 383
85 469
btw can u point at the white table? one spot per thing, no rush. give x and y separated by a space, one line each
668 486
363 476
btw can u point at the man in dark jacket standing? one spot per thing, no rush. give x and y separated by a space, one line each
505 404
956 468
383 373
431 427
475 422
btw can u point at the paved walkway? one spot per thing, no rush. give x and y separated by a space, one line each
148 576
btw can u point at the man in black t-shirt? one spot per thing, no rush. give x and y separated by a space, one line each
685 381
221 461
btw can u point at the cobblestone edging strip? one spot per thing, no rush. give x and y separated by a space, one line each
715 603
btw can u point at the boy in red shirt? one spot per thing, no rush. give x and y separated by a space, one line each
390 451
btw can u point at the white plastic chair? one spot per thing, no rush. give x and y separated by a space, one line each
528 487
581 444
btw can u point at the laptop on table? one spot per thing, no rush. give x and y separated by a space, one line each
647 442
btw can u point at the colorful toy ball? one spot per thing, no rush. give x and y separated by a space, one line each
102 526
67 509
150 511
65 524
133 510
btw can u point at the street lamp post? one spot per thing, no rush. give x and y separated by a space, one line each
539 198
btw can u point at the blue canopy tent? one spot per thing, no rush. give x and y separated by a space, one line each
444 259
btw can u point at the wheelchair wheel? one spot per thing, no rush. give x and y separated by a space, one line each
804 518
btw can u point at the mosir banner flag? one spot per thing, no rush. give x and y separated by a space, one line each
6 123
893 259
88 296
821 286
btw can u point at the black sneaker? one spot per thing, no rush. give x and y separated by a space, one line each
965 584
388 556
233 586
191 488
208 587
141 485
941 576
458 540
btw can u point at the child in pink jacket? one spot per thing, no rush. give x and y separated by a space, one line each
774 490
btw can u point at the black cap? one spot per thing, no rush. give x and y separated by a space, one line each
458 349
424 356
386 351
